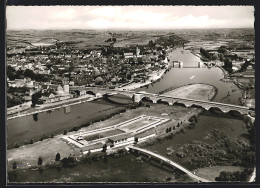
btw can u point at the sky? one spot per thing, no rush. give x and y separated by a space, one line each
129 17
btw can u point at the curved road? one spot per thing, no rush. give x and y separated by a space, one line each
170 162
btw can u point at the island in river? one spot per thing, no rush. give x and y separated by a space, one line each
26 156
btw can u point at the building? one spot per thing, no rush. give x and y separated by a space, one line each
128 55
79 91
55 98
122 139
93 148
145 135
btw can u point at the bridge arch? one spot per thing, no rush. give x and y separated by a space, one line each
235 112
162 101
199 106
90 92
216 109
145 98
187 105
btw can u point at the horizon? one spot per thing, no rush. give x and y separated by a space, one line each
133 29
128 17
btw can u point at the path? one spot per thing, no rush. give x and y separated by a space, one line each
169 162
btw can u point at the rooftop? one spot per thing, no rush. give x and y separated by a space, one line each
93 146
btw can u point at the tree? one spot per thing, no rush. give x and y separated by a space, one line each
31 141
222 49
40 161
104 148
64 132
205 53
16 145
14 165
29 73
99 80
35 117
68 162
228 63
221 57
35 98
57 157
72 67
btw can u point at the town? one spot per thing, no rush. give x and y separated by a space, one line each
133 104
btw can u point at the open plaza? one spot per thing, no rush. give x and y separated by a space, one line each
122 134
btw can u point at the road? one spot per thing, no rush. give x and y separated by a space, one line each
252 178
170 162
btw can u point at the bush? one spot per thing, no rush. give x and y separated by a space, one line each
64 132
68 162
16 145
31 141
75 128
40 161
14 165
57 158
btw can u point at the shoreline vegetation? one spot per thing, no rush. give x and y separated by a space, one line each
76 151
90 124
154 77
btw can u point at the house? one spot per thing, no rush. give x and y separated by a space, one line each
79 91
128 55
122 139
55 98
93 148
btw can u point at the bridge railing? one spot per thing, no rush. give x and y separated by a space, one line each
196 100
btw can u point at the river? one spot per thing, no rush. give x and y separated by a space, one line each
56 121
177 77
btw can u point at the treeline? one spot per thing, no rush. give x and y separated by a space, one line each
13 74
234 176
171 40
205 53
15 95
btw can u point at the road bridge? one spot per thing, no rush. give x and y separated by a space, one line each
140 96
165 160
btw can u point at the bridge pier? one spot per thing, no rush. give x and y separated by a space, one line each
207 105
137 97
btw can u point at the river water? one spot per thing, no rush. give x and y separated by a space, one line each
177 77
25 127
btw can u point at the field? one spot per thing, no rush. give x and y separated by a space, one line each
81 39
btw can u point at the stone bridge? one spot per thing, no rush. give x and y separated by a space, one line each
141 96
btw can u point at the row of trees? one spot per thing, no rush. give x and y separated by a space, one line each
13 74
15 95
234 176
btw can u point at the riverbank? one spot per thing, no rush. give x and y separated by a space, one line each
176 114
152 78
155 76
52 106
